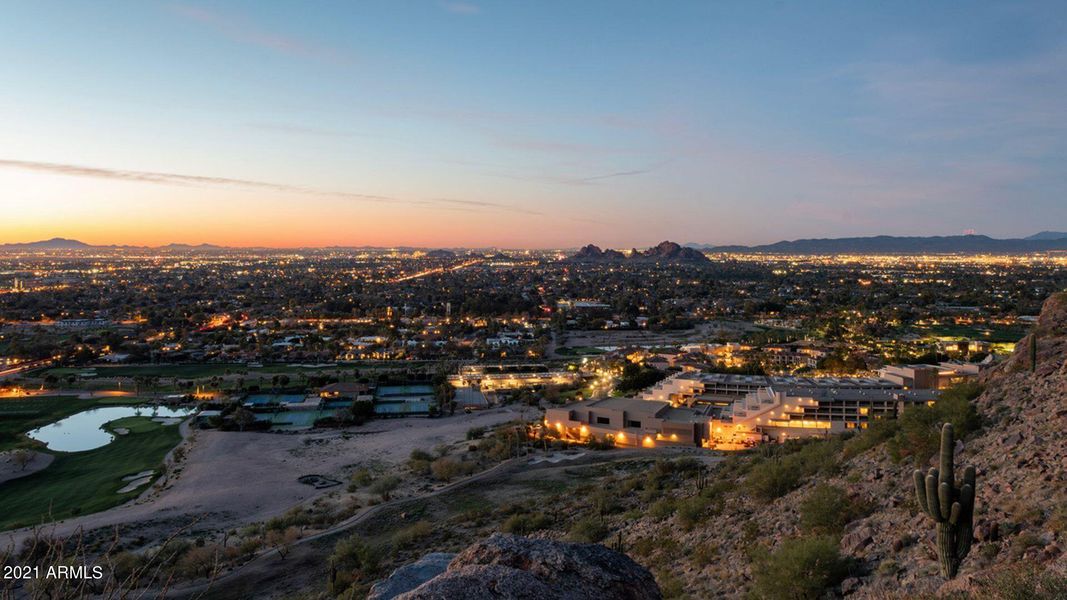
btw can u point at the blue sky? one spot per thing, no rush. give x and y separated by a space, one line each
534 124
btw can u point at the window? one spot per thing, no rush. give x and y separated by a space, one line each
603 421
634 424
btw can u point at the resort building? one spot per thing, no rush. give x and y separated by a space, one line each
778 414
346 391
503 376
629 422
736 411
689 389
931 377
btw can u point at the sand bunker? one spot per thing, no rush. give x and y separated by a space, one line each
140 475
133 485
10 467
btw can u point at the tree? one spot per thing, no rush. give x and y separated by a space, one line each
22 458
243 417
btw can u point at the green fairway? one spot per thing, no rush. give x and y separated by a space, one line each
989 334
86 482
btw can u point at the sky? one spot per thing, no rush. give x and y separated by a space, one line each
529 124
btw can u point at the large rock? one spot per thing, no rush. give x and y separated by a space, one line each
518 568
411 576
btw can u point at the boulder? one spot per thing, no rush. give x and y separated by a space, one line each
519 568
411 576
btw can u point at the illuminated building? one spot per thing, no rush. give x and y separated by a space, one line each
630 422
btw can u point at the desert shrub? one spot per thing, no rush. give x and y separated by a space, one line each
419 454
877 432
888 568
1023 583
199 561
782 473
249 546
412 533
687 465
704 555
670 585
919 430
126 566
800 568
827 509
526 523
663 508
1023 542
772 479
353 554
476 433
362 477
446 469
604 501
691 512
589 530
383 486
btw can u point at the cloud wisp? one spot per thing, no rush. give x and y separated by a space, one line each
244 31
175 179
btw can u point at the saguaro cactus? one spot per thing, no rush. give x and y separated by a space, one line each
951 507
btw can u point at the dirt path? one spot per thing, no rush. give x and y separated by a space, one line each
305 562
271 564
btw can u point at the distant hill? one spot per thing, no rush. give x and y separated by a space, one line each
1048 235
964 244
593 253
441 254
188 247
663 252
52 244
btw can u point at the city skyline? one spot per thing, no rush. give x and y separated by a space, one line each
453 124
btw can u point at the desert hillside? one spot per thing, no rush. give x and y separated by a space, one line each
776 516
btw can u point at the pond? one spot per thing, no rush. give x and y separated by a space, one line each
84 430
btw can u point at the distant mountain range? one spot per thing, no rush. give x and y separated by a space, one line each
67 244
670 251
1048 235
664 252
950 244
52 244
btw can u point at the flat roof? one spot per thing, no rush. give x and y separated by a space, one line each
635 405
787 380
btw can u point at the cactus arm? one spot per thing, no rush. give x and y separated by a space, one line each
944 495
948 446
954 514
932 506
920 490
969 477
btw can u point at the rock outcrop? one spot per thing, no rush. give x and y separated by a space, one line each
512 567
663 252
592 253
